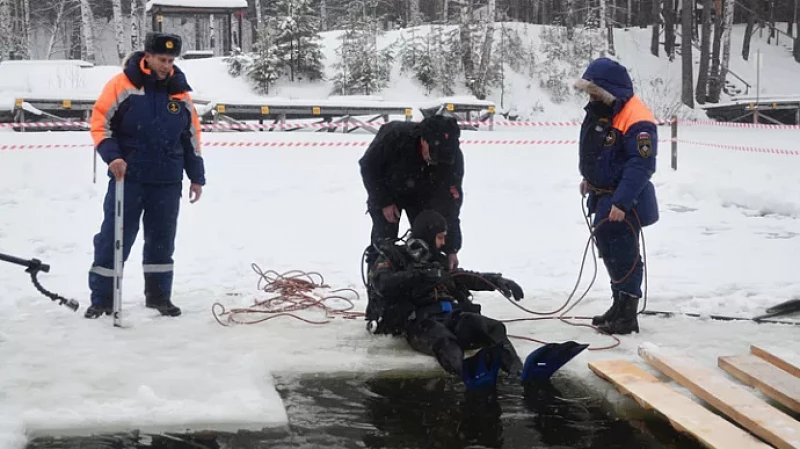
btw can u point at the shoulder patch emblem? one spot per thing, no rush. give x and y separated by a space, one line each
383 265
611 139
173 107
644 143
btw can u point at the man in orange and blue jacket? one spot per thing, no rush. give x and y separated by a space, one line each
145 127
618 147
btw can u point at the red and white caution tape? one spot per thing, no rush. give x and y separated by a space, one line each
365 143
44 146
736 125
746 149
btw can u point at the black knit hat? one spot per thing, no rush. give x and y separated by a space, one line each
427 225
163 44
442 134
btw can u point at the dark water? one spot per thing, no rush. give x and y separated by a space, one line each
429 413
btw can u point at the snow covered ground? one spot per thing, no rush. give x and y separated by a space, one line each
726 243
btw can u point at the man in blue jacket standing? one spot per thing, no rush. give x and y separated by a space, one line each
145 128
618 148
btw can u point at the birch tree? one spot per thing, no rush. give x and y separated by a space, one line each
480 89
27 31
119 27
730 7
135 31
603 24
87 25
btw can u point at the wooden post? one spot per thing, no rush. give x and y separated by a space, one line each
674 142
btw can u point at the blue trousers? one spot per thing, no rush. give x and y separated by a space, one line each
618 247
156 205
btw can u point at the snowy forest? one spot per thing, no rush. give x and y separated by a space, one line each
451 41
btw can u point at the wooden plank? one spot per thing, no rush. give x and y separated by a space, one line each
682 412
782 358
729 397
766 377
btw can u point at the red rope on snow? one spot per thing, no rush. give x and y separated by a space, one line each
294 291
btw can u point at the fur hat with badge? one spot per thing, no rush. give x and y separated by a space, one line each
163 44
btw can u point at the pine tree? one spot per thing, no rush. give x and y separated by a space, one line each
263 71
362 68
297 42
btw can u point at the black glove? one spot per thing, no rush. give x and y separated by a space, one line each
509 288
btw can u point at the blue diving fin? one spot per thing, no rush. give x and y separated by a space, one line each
480 370
542 363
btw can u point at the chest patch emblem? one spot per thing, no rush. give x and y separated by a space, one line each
173 107
611 139
644 143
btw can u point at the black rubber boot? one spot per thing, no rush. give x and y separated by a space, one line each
156 298
166 308
625 322
609 315
94 312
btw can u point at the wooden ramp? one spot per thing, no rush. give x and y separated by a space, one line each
732 399
782 358
766 377
683 413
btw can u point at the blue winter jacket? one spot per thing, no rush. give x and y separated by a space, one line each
618 145
149 123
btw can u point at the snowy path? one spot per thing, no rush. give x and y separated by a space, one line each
727 243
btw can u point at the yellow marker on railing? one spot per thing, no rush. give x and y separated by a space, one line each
221 108
66 104
316 110
264 110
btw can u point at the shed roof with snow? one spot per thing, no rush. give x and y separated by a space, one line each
196 6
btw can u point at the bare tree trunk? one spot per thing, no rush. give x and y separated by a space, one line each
465 40
687 93
445 10
730 8
413 13
714 82
27 32
135 31
56 27
748 31
654 41
212 33
705 44
570 19
669 28
603 28
480 89
87 24
119 27
5 29
323 14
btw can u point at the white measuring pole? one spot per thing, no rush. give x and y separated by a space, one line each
119 202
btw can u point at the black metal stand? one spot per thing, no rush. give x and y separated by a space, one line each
33 267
